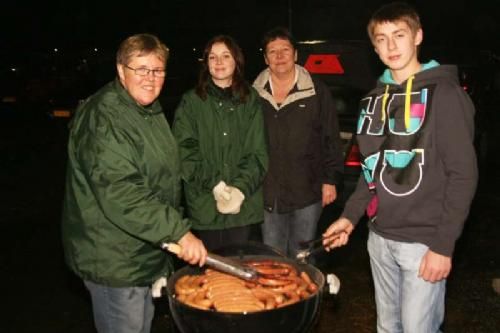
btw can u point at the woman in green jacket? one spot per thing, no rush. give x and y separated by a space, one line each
123 192
220 132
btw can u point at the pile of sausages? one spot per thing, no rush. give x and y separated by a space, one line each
279 284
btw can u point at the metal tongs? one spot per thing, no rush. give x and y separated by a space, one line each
315 246
220 263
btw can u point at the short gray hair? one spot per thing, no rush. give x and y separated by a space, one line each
141 44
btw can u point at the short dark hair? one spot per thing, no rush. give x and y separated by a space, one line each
141 44
393 12
278 33
239 86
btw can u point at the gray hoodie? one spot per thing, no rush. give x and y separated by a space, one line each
419 159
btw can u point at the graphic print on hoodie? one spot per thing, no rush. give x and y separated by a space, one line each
401 115
415 139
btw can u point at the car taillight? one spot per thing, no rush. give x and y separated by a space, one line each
353 157
324 64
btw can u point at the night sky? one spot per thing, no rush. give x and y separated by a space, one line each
73 24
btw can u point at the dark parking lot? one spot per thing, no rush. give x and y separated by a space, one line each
55 53
41 295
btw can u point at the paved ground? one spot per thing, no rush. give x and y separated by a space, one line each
40 295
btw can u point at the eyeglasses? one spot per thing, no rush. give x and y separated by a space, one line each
141 71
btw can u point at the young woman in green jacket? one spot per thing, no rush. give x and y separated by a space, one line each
220 131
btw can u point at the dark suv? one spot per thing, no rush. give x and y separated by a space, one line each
479 75
349 69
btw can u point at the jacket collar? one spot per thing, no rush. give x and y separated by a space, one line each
304 87
123 94
220 93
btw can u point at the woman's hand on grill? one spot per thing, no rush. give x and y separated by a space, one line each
192 250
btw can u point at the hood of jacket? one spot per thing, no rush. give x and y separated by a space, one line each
304 87
386 77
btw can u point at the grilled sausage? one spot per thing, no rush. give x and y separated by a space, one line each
279 284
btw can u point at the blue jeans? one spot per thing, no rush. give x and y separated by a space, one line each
405 302
121 310
284 232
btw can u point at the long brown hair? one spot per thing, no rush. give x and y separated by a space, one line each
239 86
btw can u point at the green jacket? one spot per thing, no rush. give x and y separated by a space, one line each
221 138
122 191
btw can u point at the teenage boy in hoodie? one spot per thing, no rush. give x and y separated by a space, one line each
415 133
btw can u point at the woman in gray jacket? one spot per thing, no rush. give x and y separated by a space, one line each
305 155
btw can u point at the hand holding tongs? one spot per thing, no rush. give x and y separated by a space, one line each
316 245
220 263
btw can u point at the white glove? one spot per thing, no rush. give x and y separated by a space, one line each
333 283
157 286
219 193
231 205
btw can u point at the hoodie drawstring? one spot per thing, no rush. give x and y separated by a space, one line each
407 116
384 102
409 85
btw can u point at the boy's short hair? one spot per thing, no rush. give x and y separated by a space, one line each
392 12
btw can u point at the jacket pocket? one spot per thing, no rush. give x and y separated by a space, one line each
201 209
